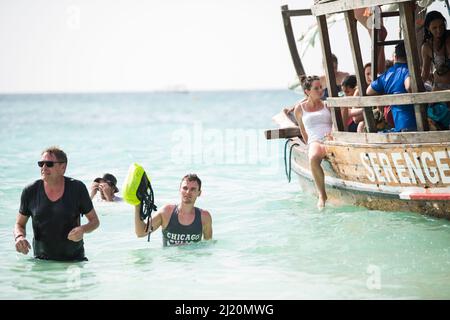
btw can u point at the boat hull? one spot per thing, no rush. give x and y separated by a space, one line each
382 175
373 200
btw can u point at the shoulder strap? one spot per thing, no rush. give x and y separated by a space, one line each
198 216
302 104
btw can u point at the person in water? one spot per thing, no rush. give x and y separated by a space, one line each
55 204
105 188
436 51
314 120
181 223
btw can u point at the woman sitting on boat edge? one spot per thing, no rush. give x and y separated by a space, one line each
314 119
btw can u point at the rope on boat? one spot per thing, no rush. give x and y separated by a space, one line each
286 170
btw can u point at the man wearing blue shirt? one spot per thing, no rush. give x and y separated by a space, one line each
396 80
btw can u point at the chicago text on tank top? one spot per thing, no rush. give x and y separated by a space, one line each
177 234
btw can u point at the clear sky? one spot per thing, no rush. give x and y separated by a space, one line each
141 45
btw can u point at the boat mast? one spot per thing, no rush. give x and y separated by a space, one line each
359 67
406 10
336 116
287 14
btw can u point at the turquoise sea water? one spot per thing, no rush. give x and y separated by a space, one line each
270 242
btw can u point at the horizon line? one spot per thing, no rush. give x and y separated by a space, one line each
183 91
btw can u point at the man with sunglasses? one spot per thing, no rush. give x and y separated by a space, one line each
55 204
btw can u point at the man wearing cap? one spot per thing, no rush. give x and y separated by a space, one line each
105 188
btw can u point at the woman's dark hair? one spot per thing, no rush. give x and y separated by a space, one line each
349 81
431 16
306 81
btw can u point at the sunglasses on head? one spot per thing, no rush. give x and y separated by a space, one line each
49 164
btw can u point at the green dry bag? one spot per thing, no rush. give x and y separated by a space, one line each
138 189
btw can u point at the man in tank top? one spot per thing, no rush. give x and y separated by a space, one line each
181 223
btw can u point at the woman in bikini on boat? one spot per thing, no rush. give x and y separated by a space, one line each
314 119
436 50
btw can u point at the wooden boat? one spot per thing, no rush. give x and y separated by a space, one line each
407 171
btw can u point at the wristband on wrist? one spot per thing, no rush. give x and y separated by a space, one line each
19 235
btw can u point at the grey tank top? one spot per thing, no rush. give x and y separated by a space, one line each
176 233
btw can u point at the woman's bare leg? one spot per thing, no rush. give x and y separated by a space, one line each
316 153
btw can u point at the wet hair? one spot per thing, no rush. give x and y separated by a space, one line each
400 51
306 81
192 177
57 152
430 17
349 81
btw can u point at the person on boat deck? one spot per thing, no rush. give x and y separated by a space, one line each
314 119
357 113
105 188
55 203
181 223
340 75
436 51
349 88
394 81
382 122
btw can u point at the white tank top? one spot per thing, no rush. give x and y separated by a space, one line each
317 123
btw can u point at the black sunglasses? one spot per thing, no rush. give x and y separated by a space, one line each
49 164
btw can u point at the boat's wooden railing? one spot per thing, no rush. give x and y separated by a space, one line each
406 13
396 99
336 6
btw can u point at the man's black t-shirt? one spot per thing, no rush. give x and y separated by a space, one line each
52 221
